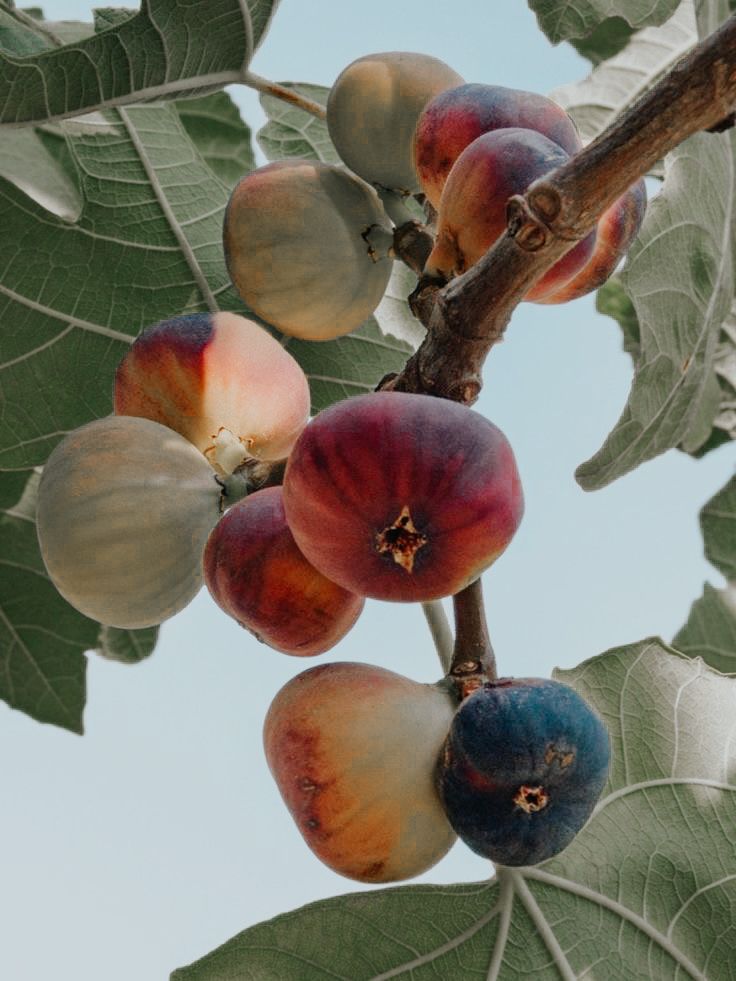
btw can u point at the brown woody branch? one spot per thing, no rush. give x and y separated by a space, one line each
466 317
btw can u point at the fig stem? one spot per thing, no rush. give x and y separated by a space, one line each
439 627
284 93
394 205
473 660
466 317
413 243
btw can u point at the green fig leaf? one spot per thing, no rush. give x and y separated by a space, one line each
349 365
613 301
579 18
27 160
42 639
215 126
292 132
164 51
718 522
679 277
609 37
667 816
126 646
710 630
614 84
105 17
725 369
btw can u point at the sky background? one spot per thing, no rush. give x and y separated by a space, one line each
160 833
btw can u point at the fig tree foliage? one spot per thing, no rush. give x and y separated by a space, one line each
118 152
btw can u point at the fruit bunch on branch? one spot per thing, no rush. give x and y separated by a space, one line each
404 494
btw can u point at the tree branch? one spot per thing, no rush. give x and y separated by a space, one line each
466 317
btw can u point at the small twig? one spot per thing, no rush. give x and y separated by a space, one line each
284 93
473 660
439 627
465 318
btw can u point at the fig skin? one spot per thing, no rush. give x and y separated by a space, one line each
402 497
456 117
353 750
472 211
216 377
125 506
295 251
372 112
617 228
256 574
521 770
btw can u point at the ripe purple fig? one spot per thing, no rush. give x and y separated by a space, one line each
402 497
456 117
523 765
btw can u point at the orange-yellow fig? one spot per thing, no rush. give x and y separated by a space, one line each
353 749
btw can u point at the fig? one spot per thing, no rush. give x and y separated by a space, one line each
402 497
125 506
221 381
372 112
617 228
353 749
456 117
296 239
256 574
522 767
472 212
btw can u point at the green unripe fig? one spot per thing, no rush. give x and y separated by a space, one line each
373 109
296 248
125 506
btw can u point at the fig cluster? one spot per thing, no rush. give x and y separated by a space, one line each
478 145
210 471
309 245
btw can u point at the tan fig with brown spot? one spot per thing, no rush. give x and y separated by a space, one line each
353 749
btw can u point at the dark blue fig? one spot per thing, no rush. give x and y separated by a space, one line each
522 767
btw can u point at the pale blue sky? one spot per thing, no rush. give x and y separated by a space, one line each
160 833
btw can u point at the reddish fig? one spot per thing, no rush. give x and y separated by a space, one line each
373 109
617 229
257 575
353 749
402 497
472 212
456 117
221 381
